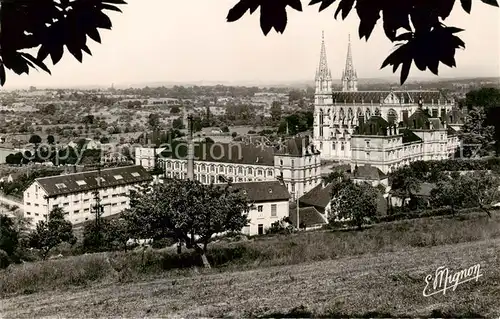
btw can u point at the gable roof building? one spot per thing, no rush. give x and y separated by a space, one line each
75 193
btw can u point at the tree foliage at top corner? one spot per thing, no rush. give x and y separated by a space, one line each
415 26
46 26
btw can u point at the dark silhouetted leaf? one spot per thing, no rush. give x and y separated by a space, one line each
466 5
39 63
324 3
94 35
405 71
3 77
295 4
368 16
345 6
491 2
236 12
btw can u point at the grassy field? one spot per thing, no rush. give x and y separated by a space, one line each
377 272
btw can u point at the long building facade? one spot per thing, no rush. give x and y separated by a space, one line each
75 193
296 163
338 114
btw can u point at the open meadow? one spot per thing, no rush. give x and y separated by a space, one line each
379 271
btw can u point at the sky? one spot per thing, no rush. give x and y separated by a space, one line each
190 40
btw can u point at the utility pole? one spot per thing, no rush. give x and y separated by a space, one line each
190 150
98 208
298 214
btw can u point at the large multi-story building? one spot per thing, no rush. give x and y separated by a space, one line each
389 146
338 114
296 162
75 193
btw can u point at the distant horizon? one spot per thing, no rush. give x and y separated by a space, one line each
284 83
149 43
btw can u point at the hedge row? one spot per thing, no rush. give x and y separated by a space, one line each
458 165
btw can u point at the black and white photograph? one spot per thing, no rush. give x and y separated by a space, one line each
249 159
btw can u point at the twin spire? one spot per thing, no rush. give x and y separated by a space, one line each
349 75
349 72
323 71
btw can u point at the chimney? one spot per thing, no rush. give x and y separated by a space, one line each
361 120
190 150
443 114
435 113
405 116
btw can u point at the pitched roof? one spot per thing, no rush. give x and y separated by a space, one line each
307 215
428 97
297 146
319 196
264 191
437 124
368 172
418 119
450 131
237 153
409 136
375 125
87 181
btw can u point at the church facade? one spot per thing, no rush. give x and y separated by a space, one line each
341 118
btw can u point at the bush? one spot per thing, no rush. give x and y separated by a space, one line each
4 259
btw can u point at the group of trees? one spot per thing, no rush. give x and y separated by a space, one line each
458 183
182 210
20 183
482 126
301 121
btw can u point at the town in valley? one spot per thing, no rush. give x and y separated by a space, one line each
301 184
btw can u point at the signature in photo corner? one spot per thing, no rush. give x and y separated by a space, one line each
443 280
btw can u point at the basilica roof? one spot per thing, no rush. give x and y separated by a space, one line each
389 97
375 125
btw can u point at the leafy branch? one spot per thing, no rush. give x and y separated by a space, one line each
47 26
426 42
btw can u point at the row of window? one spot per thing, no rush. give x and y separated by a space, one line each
85 210
260 209
220 169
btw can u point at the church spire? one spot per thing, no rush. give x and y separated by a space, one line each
349 76
323 71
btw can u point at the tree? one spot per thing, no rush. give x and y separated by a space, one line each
476 132
405 181
88 119
448 193
9 236
177 124
480 189
50 109
154 121
35 139
50 139
427 41
48 234
276 111
354 202
188 210
175 110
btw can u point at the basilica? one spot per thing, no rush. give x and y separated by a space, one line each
382 129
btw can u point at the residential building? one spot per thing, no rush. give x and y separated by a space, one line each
75 193
270 204
388 146
295 161
337 114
